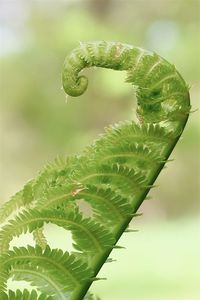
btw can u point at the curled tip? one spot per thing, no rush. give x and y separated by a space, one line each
75 88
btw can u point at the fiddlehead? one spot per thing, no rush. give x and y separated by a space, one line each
113 175
160 88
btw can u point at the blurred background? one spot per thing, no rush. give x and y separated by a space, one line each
37 123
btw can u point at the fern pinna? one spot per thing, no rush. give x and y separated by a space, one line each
114 175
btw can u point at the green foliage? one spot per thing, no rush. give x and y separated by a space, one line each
25 295
113 176
52 271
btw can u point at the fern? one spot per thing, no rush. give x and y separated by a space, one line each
113 175
25 295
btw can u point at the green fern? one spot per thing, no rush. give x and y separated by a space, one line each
113 175
25 295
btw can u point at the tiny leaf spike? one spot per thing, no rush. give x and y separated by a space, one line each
113 175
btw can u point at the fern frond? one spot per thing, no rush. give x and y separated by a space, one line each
45 282
11 206
39 237
55 174
114 175
126 180
127 132
130 154
51 270
90 237
21 199
25 295
57 196
107 206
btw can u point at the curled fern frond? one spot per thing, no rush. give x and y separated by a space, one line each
113 175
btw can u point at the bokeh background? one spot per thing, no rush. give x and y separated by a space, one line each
37 123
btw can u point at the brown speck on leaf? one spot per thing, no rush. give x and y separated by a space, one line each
74 193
